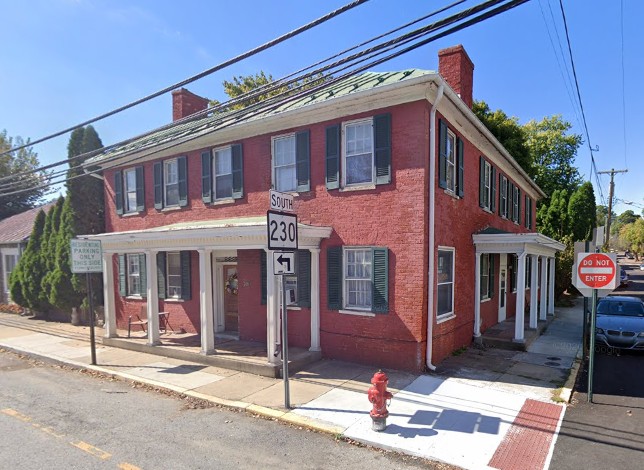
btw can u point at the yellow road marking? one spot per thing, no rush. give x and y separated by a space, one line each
16 414
128 466
90 449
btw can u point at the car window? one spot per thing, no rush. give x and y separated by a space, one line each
629 309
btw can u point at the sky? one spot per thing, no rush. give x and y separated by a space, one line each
66 61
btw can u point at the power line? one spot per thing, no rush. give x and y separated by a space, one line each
203 74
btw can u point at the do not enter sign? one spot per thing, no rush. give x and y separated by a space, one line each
596 271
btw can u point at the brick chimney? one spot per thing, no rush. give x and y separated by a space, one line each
457 69
185 103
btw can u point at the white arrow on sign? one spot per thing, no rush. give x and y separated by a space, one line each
283 262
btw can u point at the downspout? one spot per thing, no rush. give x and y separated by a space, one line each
431 214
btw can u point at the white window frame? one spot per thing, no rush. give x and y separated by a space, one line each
132 260
127 190
487 185
485 295
451 281
346 279
515 204
167 184
7 273
275 167
228 149
451 172
345 154
173 281
503 191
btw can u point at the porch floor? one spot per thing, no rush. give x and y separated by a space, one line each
229 353
501 335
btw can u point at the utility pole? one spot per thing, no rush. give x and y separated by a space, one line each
611 190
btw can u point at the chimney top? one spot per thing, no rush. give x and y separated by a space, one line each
456 67
185 103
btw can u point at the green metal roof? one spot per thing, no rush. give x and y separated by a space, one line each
206 125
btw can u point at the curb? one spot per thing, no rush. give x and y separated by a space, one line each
567 389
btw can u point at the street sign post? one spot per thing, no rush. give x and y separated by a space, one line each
87 257
594 273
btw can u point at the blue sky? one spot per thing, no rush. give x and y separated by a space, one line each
65 61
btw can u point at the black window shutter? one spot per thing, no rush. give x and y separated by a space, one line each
158 185
518 206
334 277
442 154
262 275
182 165
140 189
482 182
527 215
186 285
302 161
493 189
332 177
461 165
118 191
122 276
161 263
238 171
304 278
143 276
380 280
382 147
206 177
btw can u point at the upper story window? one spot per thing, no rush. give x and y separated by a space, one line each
450 161
487 185
503 196
358 153
357 279
129 194
515 208
291 162
171 183
222 174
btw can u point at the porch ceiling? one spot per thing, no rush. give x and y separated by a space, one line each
242 233
530 243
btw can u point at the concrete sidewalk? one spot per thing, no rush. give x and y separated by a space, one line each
481 409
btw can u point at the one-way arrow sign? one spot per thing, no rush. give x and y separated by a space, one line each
283 262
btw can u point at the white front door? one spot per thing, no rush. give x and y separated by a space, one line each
503 283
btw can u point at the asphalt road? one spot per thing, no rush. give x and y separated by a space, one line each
52 417
609 432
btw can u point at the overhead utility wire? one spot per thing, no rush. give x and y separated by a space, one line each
241 98
280 103
203 74
581 104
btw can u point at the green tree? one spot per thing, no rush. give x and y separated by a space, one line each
582 212
12 164
50 249
64 294
508 131
625 218
633 236
553 152
565 261
602 215
31 268
552 218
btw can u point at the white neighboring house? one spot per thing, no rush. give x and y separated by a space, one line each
14 235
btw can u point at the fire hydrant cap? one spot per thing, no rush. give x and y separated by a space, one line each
379 377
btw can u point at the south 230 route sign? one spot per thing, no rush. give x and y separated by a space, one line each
596 271
282 231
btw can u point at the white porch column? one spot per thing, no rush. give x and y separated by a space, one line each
477 295
206 314
534 287
551 287
315 299
519 317
272 314
543 288
152 297
108 296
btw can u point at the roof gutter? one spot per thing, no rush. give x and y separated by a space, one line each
431 217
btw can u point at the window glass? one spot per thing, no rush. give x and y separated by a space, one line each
130 190
504 196
357 275
173 275
450 166
223 173
485 276
285 177
358 152
445 281
171 183
10 262
133 275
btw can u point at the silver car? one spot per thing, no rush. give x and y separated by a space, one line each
620 322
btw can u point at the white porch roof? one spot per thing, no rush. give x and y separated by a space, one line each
502 242
241 232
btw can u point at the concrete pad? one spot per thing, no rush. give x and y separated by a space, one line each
554 346
237 387
548 360
397 381
548 375
300 393
9 332
181 376
33 340
521 386
338 406
122 359
331 373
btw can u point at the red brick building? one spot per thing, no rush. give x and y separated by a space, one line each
415 225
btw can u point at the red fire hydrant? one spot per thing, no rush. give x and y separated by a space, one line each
378 395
